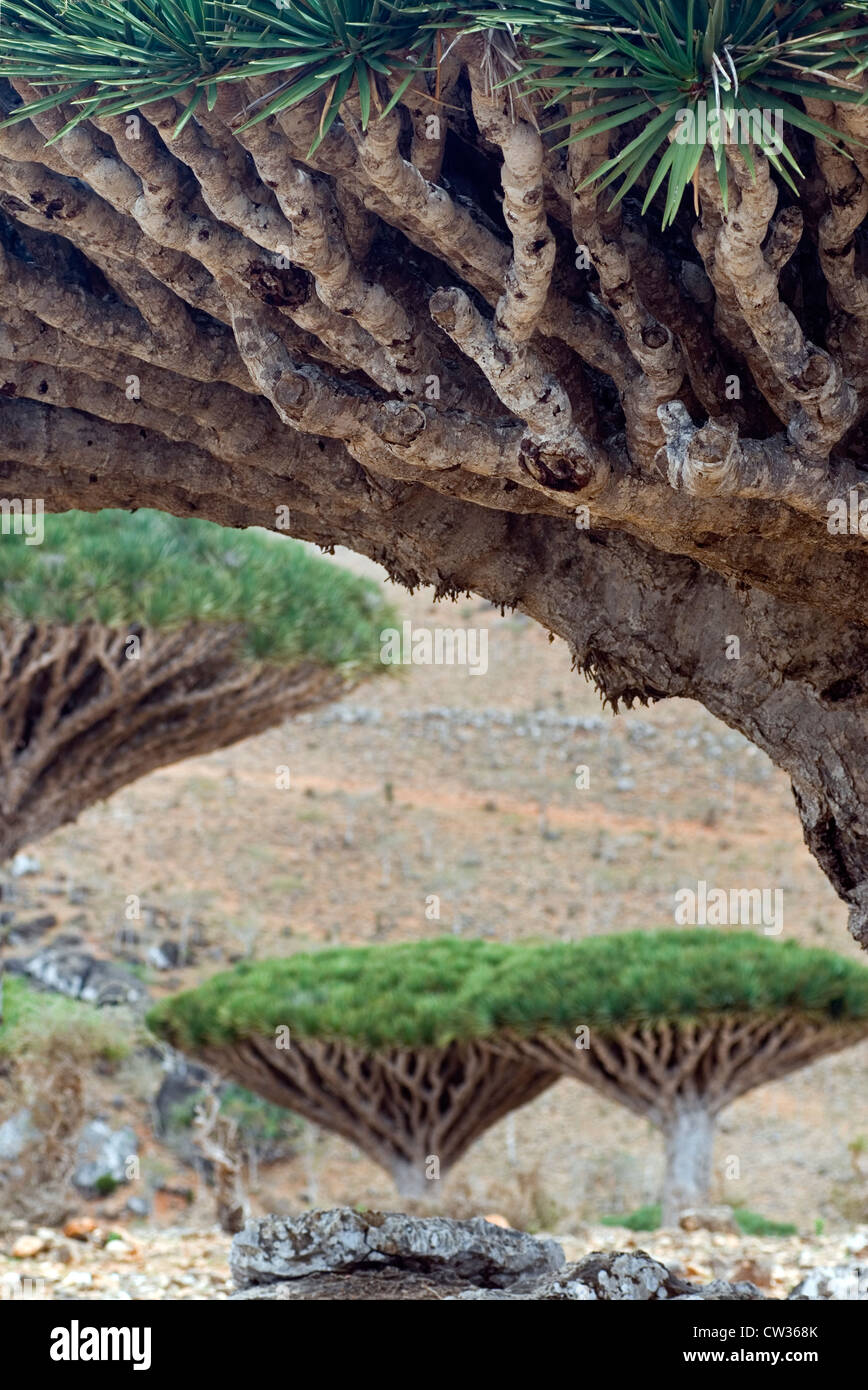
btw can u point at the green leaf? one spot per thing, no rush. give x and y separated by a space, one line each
189 113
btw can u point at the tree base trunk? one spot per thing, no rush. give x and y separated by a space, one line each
689 1140
410 1179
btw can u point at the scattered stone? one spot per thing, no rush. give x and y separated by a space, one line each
138 1206
176 1262
26 1247
79 1227
709 1219
16 1134
24 864
273 1249
102 1155
847 1282
67 970
23 932
167 956
857 1244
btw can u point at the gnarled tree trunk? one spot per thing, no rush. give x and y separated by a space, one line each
639 449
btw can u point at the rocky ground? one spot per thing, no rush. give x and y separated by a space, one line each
86 1261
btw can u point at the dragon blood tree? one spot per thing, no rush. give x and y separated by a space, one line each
412 1051
591 342
132 641
676 1025
381 1047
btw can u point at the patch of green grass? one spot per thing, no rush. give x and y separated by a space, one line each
749 1222
752 1224
430 992
642 1219
149 569
37 1025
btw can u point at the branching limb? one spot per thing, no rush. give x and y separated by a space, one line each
556 452
712 461
533 247
825 403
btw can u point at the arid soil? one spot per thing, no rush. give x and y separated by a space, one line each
183 1262
433 789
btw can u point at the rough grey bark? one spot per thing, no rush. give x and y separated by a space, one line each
367 336
409 1178
79 718
688 1147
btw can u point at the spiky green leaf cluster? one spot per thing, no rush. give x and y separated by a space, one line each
430 992
653 62
118 55
645 61
154 570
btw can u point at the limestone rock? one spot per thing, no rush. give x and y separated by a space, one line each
27 1246
24 932
103 1153
846 1282
274 1249
619 1276
709 1219
76 973
15 1135
348 1255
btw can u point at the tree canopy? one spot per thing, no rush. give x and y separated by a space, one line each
640 62
152 570
130 641
430 993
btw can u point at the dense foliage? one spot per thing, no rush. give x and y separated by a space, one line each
431 992
636 60
161 571
655 63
